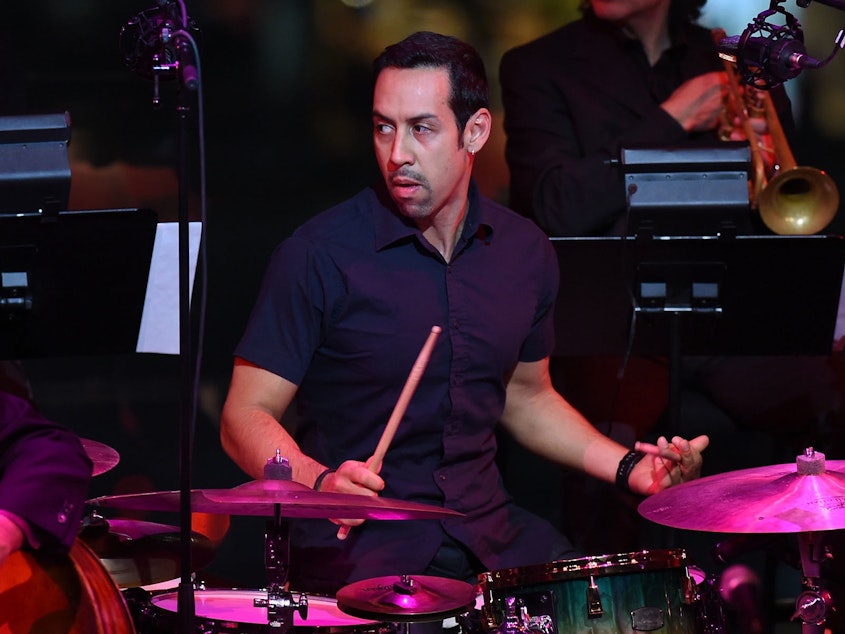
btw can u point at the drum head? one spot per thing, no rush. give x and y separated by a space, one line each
238 606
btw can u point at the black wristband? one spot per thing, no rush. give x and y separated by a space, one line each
626 465
319 481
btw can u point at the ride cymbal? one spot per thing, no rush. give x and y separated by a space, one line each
293 500
138 553
104 457
787 498
406 598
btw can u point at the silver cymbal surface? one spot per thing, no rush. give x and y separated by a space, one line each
770 499
293 500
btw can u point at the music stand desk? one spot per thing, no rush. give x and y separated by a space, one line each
773 294
698 295
73 282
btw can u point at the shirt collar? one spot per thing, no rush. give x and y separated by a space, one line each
391 227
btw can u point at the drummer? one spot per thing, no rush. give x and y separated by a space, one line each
345 308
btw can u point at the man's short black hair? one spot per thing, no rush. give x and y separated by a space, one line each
467 77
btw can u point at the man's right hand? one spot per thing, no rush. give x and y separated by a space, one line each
698 103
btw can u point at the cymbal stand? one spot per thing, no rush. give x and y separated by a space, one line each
280 603
815 602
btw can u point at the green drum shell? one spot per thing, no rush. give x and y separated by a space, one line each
626 583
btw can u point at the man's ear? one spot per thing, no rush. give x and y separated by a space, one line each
477 130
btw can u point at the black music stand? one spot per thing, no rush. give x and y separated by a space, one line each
692 191
742 295
73 282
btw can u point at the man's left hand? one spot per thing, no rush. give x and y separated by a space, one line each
667 463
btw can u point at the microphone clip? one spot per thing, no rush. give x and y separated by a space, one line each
157 44
780 38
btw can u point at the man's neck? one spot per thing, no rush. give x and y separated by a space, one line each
443 233
652 30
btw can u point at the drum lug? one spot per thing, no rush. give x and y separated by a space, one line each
690 590
595 610
280 606
516 615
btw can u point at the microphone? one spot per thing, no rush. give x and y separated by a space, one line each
739 588
766 61
156 44
782 59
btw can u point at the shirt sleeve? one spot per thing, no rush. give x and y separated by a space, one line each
285 325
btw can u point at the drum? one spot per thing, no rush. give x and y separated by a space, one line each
646 591
234 612
61 594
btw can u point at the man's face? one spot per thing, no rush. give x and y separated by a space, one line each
417 143
624 10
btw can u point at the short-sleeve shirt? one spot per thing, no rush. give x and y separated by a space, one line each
343 312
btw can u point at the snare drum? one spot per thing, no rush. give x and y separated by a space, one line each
234 612
647 591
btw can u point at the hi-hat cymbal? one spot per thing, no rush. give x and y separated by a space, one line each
138 553
103 456
772 499
406 598
294 500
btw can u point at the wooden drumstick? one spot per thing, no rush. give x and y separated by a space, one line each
399 409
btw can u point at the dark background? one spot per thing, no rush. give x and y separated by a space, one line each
286 95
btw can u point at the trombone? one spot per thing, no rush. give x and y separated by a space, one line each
791 199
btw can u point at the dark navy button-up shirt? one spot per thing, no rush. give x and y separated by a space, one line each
346 305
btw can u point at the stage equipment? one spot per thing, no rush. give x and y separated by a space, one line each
236 610
786 498
628 592
791 200
406 598
260 497
73 282
687 191
34 163
70 593
159 45
802 498
674 296
138 553
103 457
766 61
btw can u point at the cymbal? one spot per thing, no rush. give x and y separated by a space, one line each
772 499
138 553
295 500
103 456
407 598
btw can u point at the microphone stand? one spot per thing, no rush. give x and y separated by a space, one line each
158 46
187 414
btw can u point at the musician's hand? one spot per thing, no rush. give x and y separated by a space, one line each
698 103
352 477
11 538
667 463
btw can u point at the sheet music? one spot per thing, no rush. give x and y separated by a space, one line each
159 331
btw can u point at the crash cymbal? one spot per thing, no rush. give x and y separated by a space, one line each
295 500
103 456
138 553
406 598
808 495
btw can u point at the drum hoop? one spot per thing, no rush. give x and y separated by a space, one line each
159 600
594 565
